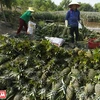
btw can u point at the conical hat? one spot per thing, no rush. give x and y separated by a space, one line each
31 9
74 3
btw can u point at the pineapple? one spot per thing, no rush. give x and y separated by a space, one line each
88 54
89 88
70 92
18 97
76 49
80 52
75 72
97 90
91 74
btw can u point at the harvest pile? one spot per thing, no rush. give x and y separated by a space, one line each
37 70
57 30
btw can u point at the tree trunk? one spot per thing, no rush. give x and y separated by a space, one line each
3 13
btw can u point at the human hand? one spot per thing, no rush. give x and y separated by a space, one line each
79 25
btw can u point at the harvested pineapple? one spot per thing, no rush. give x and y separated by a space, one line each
97 90
89 89
88 54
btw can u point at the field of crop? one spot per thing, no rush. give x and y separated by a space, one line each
60 16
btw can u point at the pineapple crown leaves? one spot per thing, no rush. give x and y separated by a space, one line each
63 87
51 95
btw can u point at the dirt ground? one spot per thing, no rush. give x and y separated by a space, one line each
10 29
7 28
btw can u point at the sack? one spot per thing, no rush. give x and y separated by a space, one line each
56 41
31 27
79 25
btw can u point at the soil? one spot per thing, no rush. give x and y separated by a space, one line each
7 28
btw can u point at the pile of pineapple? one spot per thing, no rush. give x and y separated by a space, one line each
38 70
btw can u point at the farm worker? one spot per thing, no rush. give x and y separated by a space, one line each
23 21
72 19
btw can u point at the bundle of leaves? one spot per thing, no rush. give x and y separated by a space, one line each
51 30
57 30
43 71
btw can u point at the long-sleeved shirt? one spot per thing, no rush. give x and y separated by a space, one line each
73 16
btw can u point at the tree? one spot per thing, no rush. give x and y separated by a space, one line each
97 7
24 4
86 7
64 4
59 8
6 3
44 5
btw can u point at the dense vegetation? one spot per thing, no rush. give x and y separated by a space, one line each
31 68
60 16
57 16
38 70
46 5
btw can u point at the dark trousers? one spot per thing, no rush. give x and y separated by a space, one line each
72 31
21 24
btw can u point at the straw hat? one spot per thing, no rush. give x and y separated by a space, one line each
74 3
31 9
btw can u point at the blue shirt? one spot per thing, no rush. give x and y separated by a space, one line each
73 16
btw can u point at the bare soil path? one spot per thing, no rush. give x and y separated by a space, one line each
7 28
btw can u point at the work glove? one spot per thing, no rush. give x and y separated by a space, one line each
66 23
79 24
